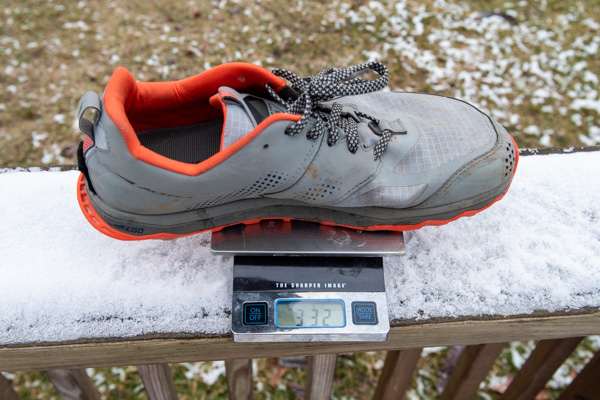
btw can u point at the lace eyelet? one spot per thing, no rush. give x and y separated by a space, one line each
327 85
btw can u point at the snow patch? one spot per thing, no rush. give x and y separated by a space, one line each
537 249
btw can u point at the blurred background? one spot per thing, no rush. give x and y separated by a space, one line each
533 65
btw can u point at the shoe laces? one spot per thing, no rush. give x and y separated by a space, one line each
329 84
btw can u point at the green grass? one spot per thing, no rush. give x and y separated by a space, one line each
51 53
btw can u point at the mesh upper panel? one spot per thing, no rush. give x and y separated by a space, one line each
448 128
386 196
189 144
237 125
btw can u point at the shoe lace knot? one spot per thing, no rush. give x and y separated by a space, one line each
330 84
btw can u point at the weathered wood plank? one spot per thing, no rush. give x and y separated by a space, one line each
472 367
154 351
545 359
556 150
158 381
6 390
586 385
320 374
396 374
73 384
239 379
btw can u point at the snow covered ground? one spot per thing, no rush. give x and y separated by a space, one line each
60 280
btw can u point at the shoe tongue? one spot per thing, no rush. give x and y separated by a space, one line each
366 135
243 112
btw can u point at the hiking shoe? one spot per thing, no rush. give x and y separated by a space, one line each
239 144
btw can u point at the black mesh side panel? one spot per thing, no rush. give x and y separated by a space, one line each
83 168
287 93
258 108
189 144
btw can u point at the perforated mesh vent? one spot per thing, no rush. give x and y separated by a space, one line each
510 160
320 191
263 185
267 183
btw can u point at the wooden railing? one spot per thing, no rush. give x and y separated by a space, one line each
484 338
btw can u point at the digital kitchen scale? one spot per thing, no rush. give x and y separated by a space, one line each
304 282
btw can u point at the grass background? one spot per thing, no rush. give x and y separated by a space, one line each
533 65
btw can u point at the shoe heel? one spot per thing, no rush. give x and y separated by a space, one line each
94 218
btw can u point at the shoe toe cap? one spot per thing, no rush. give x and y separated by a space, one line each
482 179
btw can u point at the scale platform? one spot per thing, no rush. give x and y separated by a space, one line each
276 237
297 281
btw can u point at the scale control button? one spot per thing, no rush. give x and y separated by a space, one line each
364 313
256 313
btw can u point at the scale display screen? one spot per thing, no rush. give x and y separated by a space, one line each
308 313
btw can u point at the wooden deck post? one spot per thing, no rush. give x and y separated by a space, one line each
6 390
73 384
239 379
539 368
158 381
472 367
320 374
586 386
397 374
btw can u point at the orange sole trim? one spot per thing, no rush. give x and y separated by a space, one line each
97 222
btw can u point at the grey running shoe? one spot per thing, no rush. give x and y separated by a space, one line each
239 144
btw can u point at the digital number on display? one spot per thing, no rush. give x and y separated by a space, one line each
300 313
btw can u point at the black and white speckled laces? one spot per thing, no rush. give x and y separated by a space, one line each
326 85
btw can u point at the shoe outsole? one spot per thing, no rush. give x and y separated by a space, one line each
102 226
